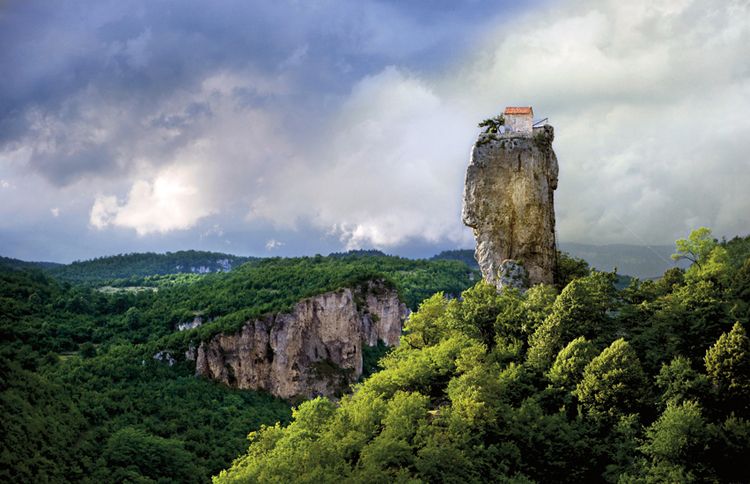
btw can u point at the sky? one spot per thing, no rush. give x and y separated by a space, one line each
301 127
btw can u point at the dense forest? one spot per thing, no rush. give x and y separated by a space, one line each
646 384
85 396
584 381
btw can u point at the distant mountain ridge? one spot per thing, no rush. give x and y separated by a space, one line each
464 255
22 264
643 262
125 266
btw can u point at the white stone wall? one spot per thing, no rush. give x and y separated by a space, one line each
520 123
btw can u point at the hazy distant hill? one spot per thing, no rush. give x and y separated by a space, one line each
125 266
634 260
21 264
464 255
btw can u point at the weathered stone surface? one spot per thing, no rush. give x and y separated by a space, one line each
513 274
316 349
509 203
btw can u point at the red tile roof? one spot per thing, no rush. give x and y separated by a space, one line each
519 110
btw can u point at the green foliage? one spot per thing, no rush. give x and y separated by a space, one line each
728 367
477 314
464 255
134 455
80 382
426 327
676 443
135 267
481 405
592 384
582 309
492 125
40 426
470 404
568 268
568 368
696 247
612 383
679 382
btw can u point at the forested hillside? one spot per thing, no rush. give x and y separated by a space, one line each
87 395
134 267
21 264
464 255
647 384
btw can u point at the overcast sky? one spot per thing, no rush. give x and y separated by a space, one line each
303 127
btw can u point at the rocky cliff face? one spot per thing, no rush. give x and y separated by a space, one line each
316 349
508 202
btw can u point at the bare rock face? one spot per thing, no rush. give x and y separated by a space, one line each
513 274
508 202
316 349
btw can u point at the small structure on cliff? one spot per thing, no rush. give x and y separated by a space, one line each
509 200
519 119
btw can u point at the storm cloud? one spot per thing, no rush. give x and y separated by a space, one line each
302 127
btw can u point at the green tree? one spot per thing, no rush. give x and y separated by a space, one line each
677 442
679 382
612 383
426 327
731 449
696 247
567 370
389 454
492 125
134 455
581 309
537 304
476 315
568 268
728 367
87 350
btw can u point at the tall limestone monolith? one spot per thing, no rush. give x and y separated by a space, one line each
509 203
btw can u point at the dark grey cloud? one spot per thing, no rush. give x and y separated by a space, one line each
62 65
138 107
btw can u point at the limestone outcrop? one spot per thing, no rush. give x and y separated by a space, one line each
509 203
316 349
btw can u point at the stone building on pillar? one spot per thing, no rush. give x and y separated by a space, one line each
519 120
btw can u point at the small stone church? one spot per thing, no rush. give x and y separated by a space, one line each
519 120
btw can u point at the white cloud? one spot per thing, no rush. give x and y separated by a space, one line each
648 98
274 244
192 167
393 168
55 211
215 230
170 202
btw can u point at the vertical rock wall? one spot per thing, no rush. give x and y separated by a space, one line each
509 203
316 349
